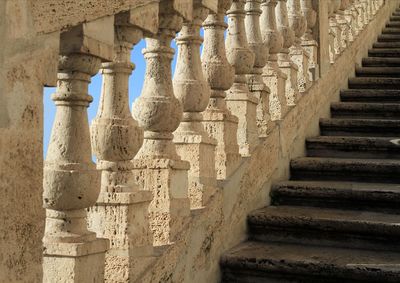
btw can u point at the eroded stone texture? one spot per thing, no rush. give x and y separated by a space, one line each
273 77
261 52
192 141
240 101
308 41
285 62
298 54
217 119
159 113
121 211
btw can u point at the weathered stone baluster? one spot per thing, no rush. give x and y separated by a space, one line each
343 24
285 63
333 32
273 77
300 56
308 40
217 119
336 27
71 181
255 80
361 14
367 15
240 101
121 212
351 15
192 141
157 164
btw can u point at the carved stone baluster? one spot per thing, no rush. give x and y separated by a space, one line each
72 253
285 62
343 23
361 14
367 15
121 212
351 15
333 32
217 119
192 141
273 77
255 80
308 41
157 164
300 56
240 101
336 27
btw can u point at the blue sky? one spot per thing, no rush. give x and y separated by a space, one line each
135 88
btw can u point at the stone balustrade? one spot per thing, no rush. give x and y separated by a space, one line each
187 132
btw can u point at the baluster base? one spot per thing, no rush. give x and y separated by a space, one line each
301 58
168 181
74 262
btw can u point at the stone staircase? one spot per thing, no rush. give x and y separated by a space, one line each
338 218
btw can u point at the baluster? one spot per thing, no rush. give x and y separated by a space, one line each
261 52
71 181
192 141
285 63
343 24
121 212
157 164
361 14
272 75
336 27
351 16
240 101
333 32
300 57
308 41
367 16
218 120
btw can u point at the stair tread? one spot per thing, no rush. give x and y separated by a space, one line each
370 95
351 221
395 163
382 191
319 261
377 142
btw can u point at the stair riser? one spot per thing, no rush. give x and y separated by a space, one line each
337 152
360 132
389 38
330 238
372 85
239 275
387 99
393 62
388 115
394 54
367 73
341 174
386 45
324 202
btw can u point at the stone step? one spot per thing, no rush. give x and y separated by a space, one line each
358 127
389 38
386 44
393 72
353 147
391 30
345 169
370 95
361 110
374 82
258 262
393 24
394 18
380 62
326 227
384 52
347 195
